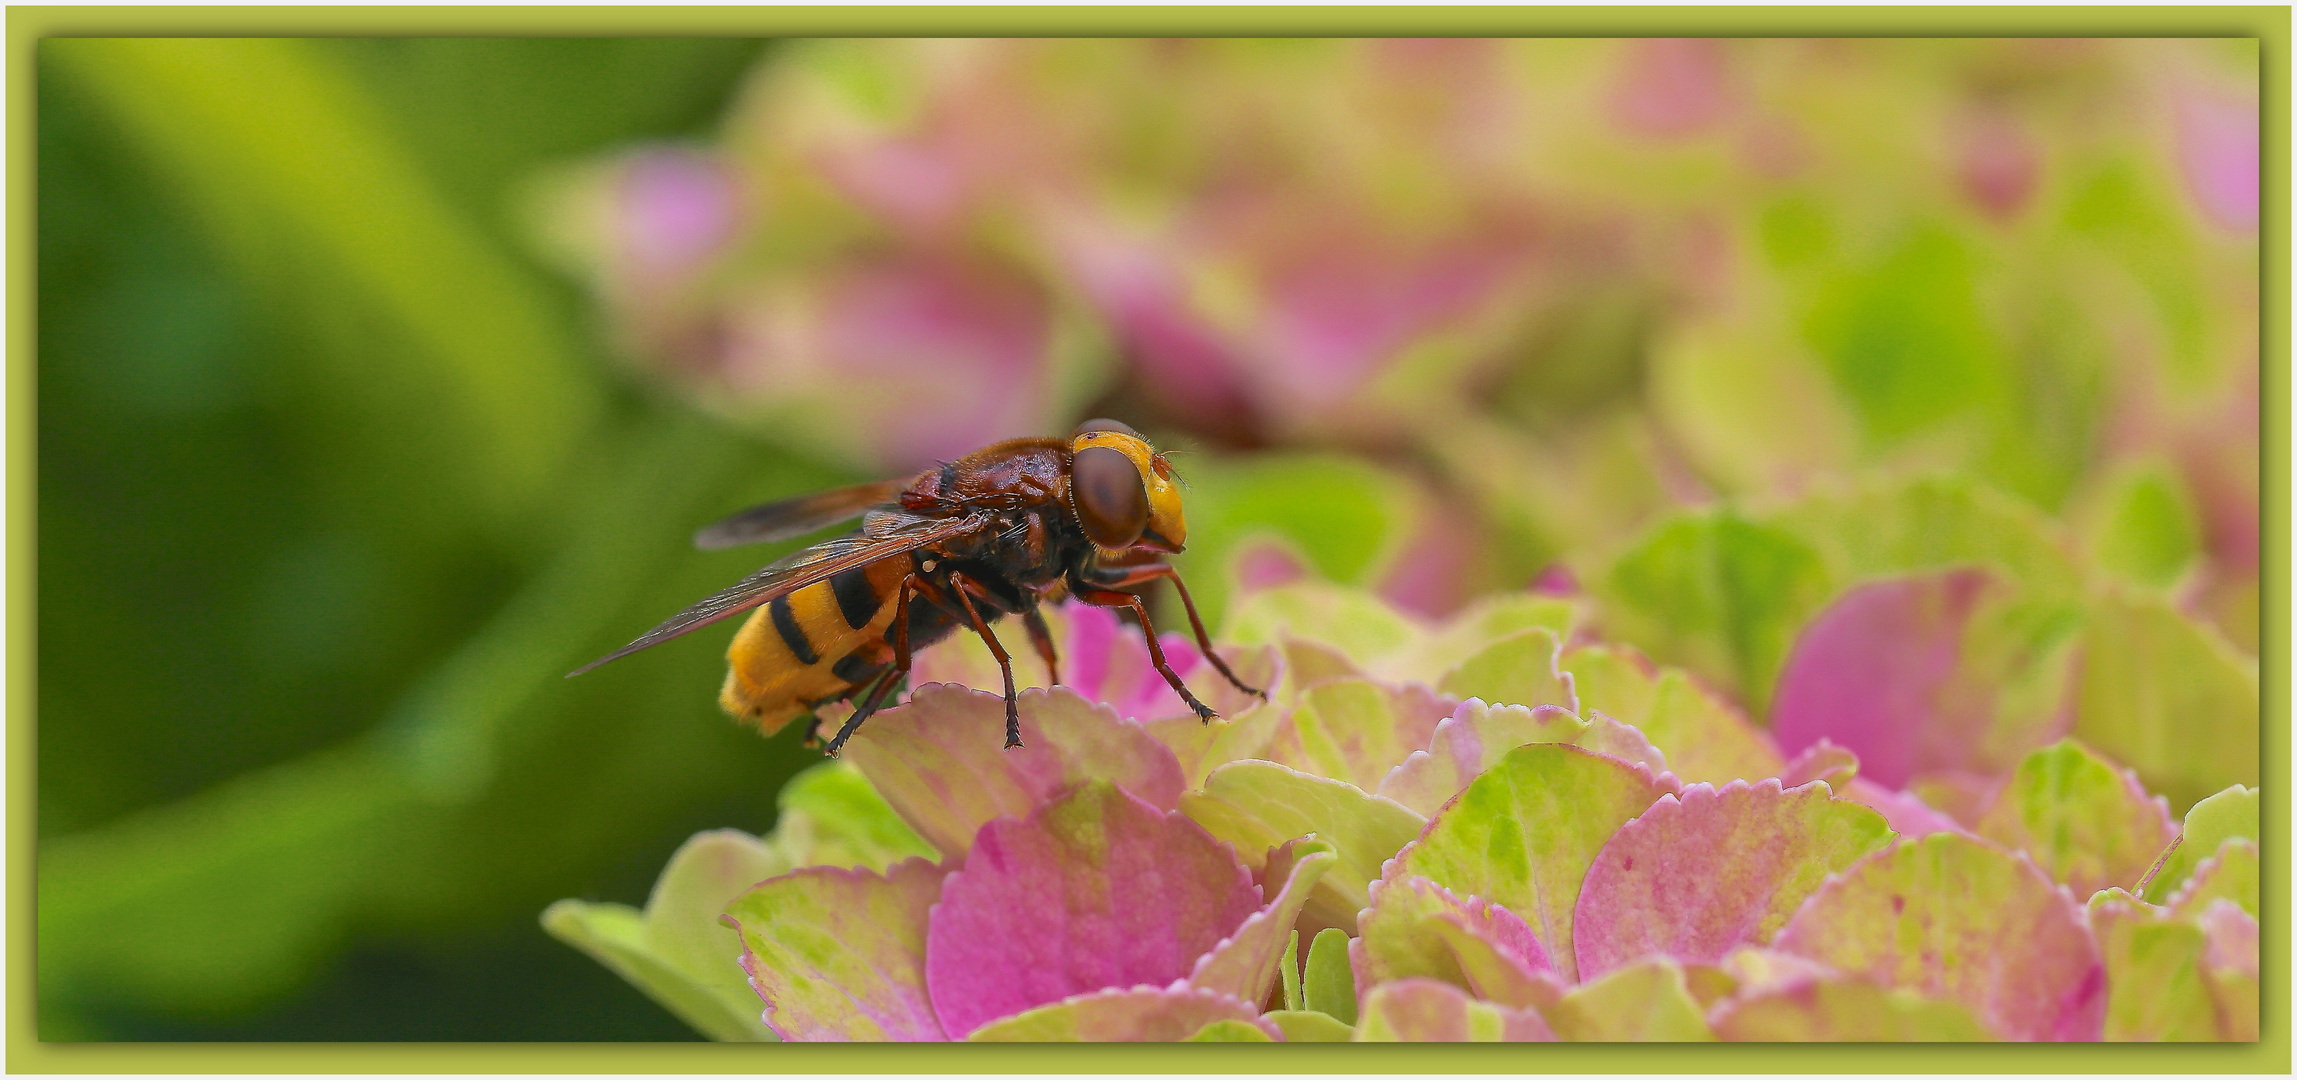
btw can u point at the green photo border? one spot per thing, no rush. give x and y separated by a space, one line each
27 25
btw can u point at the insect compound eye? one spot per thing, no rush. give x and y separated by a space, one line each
1105 424
1111 501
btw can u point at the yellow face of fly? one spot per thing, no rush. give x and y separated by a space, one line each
1167 527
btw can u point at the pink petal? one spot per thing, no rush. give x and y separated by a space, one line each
1874 673
676 209
2217 150
1138 1014
1093 891
1672 87
1698 874
940 758
839 955
1954 918
1425 1010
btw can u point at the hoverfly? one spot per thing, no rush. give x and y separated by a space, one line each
994 533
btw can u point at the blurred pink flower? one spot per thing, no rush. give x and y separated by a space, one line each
2217 151
1672 87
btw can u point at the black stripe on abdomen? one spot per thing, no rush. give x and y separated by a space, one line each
793 635
857 600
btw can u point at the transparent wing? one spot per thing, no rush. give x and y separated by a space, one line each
798 516
886 535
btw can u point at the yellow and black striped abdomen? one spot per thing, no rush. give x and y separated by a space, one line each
816 644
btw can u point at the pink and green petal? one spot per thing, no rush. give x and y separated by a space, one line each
1245 965
1524 834
1135 1014
2209 824
1647 1001
1484 622
839 955
1416 928
1705 737
1201 747
940 758
1845 1010
1515 670
2085 822
1257 805
1357 730
1821 760
2229 967
1097 889
1755 970
2154 987
1608 736
1955 918
1909 816
1467 744
1701 873
2231 874
1426 1010
1351 624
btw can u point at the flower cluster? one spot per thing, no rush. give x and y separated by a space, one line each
1504 827
1572 283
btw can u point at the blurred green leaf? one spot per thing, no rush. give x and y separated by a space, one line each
2149 536
1906 338
1342 514
2170 697
292 171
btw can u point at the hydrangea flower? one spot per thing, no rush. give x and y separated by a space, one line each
1530 869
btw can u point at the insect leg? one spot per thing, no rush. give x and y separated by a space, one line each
1041 636
964 587
1147 572
872 699
1113 598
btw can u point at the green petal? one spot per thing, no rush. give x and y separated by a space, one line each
839 955
2231 874
2154 988
676 950
1257 805
1424 1010
1140 1014
1647 1001
1247 963
1300 1025
1357 730
1515 670
1328 983
1524 834
1467 744
2212 821
1845 1010
2085 822
2170 696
